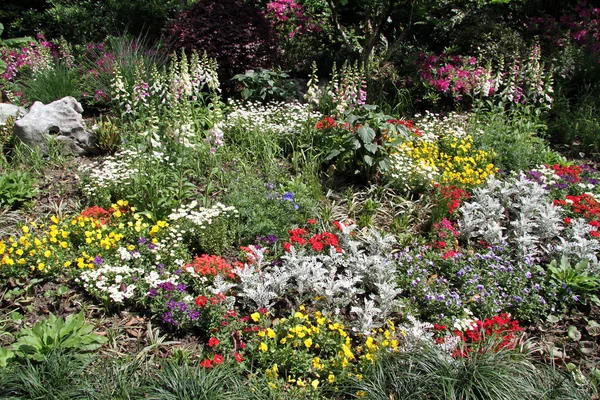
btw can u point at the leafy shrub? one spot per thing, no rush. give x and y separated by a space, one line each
515 136
16 187
264 85
577 121
265 209
235 34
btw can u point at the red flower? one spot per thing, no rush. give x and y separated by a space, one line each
213 341
238 357
218 359
201 301
567 220
287 247
595 224
595 233
312 221
206 363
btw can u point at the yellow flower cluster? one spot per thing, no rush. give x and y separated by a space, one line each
451 160
312 350
75 241
461 164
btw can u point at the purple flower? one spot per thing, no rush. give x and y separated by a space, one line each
97 260
142 240
181 287
194 314
153 292
288 196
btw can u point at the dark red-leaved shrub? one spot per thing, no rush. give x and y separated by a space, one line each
235 34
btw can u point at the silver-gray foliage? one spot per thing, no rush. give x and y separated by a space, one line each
360 280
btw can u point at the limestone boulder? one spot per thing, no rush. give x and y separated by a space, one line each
10 110
61 120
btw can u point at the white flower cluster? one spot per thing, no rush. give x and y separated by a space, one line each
278 117
409 173
203 217
433 126
113 282
118 169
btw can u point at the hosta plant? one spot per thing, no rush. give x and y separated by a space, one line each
53 333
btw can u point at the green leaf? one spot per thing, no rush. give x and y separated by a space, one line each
1 28
3 66
553 319
573 333
17 41
366 134
246 93
5 355
369 160
371 147
332 154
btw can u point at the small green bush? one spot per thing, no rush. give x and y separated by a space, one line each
16 188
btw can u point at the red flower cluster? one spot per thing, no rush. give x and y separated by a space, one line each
585 205
500 326
202 300
326 123
210 265
98 213
453 195
408 124
569 173
317 241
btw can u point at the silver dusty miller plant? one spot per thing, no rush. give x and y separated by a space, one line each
517 212
361 279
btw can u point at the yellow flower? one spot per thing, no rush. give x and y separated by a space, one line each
300 382
25 229
270 333
308 343
283 340
272 385
263 346
261 333
298 315
315 383
41 266
255 317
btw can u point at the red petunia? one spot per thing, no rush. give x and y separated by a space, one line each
218 359
201 301
206 363
213 341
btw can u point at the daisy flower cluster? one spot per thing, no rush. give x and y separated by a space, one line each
278 117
